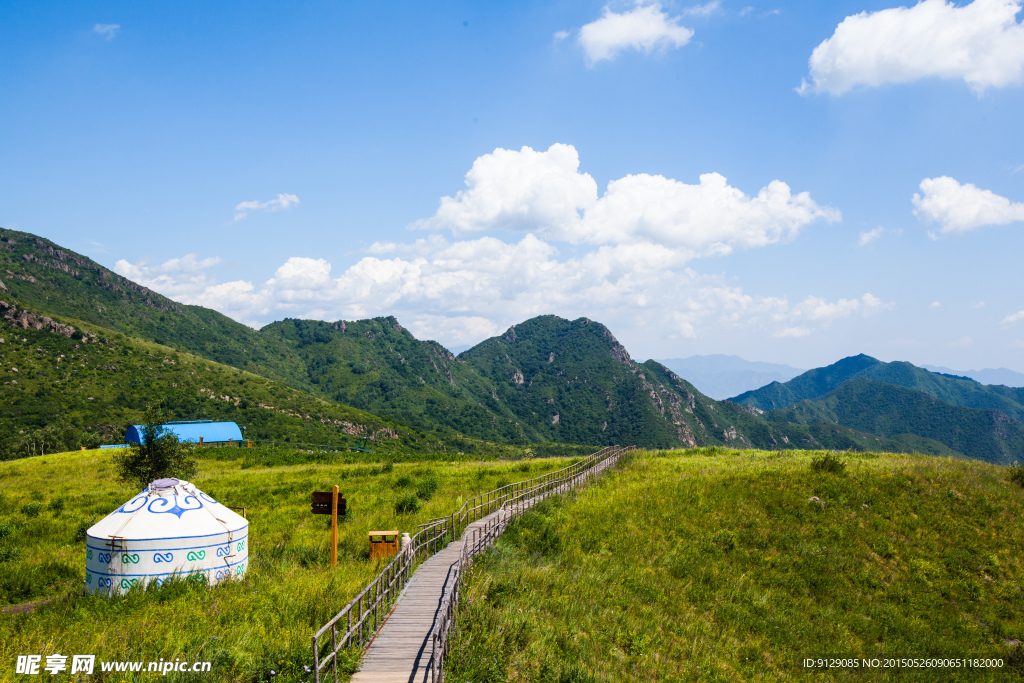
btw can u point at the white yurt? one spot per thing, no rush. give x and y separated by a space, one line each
170 528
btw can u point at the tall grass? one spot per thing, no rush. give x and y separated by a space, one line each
717 565
247 628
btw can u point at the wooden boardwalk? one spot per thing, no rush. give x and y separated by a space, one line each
402 649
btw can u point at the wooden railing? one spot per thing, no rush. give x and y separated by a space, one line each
356 624
483 538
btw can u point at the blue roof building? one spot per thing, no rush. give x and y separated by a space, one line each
192 432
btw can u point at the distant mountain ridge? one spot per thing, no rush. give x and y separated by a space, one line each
1004 376
545 380
888 399
720 376
815 384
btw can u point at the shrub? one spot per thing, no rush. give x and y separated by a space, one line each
8 553
31 509
828 463
159 455
407 505
427 488
403 481
80 532
56 506
6 531
1016 472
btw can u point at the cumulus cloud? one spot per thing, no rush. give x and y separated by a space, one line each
981 43
282 201
935 304
559 36
178 278
530 235
870 236
1019 315
705 10
108 31
960 208
460 292
645 28
545 193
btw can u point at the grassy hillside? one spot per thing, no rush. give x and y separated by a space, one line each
65 385
247 628
40 275
718 565
890 410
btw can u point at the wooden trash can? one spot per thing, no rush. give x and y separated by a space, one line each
383 544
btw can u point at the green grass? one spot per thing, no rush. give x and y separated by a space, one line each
717 565
246 628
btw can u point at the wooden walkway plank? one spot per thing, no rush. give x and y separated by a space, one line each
402 649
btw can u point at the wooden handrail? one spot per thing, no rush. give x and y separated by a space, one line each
383 591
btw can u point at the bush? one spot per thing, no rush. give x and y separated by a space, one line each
8 553
56 506
31 509
427 488
159 455
828 463
407 505
1016 472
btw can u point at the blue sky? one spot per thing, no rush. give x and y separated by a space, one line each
725 177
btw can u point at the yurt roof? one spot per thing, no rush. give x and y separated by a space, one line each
192 431
168 508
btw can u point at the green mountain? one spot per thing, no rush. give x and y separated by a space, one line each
891 410
958 391
377 365
544 380
573 381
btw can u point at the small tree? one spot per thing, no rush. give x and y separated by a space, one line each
160 454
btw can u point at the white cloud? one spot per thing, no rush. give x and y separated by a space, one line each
524 190
544 193
818 309
626 266
645 28
793 332
282 201
961 343
108 31
460 292
978 304
746 10
706 10
981 43
959 208
935 304
870 236
1019 315
559 36
178 278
